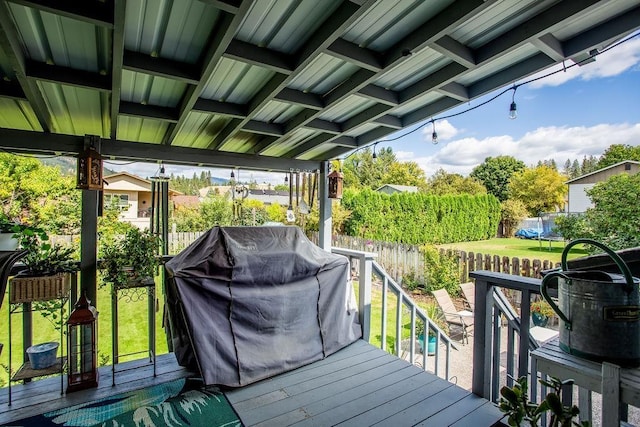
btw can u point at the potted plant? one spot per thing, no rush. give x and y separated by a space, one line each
8 229
515 404
46 276
541 311
434 313
130 259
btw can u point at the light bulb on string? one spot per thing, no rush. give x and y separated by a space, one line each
434 134
513 109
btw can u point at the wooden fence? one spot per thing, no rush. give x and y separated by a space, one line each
400 259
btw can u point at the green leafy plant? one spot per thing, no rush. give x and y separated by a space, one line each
42 258
436 316
130 258
514 402
7 225
542 307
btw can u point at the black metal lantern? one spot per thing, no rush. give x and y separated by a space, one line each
89 170
335 185
82 343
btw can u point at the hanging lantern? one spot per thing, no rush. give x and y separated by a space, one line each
335 185
82 351
89 170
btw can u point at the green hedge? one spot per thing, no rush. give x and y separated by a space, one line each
417 218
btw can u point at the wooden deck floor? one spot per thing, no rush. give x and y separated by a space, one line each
360 385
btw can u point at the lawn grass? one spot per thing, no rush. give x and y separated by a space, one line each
133 330
521 248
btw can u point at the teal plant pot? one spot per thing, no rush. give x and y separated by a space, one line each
431 346
539 319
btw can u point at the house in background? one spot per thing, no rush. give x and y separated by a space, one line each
578 200
133 195
393 188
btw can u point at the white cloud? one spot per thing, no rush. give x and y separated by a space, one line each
556 142
607 64
444 129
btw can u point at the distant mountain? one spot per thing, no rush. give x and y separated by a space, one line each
67 165
219 181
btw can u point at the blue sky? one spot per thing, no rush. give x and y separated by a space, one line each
572 114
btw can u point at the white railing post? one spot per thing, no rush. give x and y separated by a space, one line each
365 263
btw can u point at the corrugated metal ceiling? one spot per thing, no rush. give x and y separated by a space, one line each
269 83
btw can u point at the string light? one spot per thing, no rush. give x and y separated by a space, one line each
513 109
434 134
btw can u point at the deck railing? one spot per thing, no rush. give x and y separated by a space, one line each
405 313
496 325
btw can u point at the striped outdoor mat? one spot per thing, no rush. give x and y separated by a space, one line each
176 403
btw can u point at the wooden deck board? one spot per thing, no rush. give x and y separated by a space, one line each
43 395
359 385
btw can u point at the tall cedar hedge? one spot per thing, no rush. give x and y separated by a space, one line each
416 218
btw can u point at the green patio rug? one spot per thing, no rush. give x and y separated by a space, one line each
173 404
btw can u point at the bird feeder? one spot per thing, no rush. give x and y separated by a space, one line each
89 170
82 346
335 185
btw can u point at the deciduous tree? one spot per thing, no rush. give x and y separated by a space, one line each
496 172
441 183
540 189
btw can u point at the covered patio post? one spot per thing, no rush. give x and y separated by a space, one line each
324 207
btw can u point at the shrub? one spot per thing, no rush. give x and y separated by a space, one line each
441 270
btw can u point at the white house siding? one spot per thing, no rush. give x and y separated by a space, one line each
578 199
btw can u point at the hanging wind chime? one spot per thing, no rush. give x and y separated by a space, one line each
291 217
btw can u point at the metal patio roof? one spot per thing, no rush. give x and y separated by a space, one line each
269 84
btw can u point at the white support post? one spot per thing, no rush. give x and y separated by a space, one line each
610 394
325 223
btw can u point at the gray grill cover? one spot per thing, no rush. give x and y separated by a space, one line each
247 303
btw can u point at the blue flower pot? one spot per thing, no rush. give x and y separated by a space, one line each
431 346
539 319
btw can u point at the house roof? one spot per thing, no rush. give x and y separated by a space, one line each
144 184
602 170
270 85
400 188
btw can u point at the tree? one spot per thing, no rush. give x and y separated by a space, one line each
405 173
617 153
361 170
495 173
540 189
613 220
589 164
39 195
441 183
512 212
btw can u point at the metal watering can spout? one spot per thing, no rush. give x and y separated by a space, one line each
599 311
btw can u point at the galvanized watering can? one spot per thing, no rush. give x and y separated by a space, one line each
599 312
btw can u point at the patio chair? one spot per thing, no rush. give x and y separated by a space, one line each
460 321
469 292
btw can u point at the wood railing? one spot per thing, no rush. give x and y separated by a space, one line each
500 329
405 309
401 259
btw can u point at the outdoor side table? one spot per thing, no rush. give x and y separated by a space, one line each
133 292
619 387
